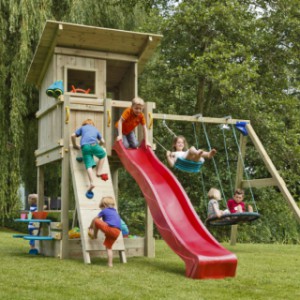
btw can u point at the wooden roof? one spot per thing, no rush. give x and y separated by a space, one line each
74 36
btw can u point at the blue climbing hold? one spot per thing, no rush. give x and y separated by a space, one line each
79 159
89 194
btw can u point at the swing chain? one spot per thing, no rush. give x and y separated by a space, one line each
169 129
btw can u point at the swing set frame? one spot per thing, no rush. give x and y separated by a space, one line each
275 180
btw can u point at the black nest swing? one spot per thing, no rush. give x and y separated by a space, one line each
233 219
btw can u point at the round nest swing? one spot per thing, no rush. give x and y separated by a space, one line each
233 219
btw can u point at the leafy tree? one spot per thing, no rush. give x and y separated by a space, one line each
238 58
21 23
217 58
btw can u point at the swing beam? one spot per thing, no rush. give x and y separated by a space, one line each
198 118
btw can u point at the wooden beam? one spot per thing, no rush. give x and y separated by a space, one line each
238 181
270 166
240 163
49 156
149 240
76 100
108 127
40 187
143 52
65 186
258 183
49 148
45 111
96 54
49 56
198 119
117 103
87 107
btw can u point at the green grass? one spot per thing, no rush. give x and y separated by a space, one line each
264 272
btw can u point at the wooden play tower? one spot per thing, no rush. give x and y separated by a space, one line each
107 62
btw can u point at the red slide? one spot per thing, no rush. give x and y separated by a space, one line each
175 217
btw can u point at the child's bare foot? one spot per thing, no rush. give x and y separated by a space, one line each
197 156
91 187
91 233
212 153
200 153
110 265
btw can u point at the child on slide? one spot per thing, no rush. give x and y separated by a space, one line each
130 119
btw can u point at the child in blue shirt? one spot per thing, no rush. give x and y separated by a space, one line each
109 222
89 144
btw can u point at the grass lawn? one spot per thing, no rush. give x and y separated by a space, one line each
264 272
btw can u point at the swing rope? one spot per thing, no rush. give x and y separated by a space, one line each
227 160
244 167
169 129
156 140
204 191
214 161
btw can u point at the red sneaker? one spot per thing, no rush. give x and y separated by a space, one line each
104 177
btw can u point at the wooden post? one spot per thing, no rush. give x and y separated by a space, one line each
149 240
115 180
65 188
40 187
238 182
108 127
271 168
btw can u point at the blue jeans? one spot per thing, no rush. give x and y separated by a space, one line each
130 140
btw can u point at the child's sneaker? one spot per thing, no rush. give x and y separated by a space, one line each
103 176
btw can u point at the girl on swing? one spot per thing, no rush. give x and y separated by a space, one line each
180 150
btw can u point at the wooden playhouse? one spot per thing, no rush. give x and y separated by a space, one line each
107 62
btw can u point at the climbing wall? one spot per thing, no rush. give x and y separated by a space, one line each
87 209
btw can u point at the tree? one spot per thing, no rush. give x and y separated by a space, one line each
21 23
238 58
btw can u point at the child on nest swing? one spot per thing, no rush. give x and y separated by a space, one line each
180 150
213 210
89 143
236 204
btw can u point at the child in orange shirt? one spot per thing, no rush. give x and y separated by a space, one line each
130 118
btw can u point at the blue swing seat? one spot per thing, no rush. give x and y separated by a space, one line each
188 165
